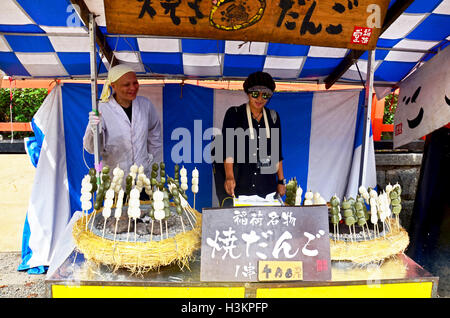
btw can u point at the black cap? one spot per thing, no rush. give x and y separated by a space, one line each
259 79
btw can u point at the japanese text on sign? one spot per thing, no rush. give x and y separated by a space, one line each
239 238
274 270
310 22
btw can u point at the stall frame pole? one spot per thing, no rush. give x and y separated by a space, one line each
93 60
367 115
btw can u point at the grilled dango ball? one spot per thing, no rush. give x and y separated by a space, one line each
291 189
396 200
350 220
362 221
360 214
348 211
334 219
334 201
308 198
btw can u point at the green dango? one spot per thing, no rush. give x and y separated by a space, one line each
334 210
346 205
350 220
361 222
334 201
334 218
105 170
348 212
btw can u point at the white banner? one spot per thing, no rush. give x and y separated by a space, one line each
424 100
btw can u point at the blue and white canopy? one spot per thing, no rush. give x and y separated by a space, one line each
46 39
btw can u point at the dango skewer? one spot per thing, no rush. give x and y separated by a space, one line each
106 212
158 204
133 209
194 183
118 211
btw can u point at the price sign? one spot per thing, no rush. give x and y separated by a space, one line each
263 243
279 270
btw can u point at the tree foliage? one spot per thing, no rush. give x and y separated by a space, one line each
390 105
25 103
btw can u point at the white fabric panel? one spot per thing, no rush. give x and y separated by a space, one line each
98 8
4 46
132 59
352 72
415 44
202 64
283 67
331 52
48 218
42 64
282 73
370 176
332 136
65 29
64 247
399 56
402 26
11 13
224 99
155 94
443 8
159 45
70 43
382 91
241 47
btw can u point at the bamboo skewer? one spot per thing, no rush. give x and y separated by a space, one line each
93 220
115 230
104 226
135 230
128 234
151 232
368 231
187 216
182 224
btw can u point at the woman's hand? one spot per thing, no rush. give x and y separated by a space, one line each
95 121
281 189
230 184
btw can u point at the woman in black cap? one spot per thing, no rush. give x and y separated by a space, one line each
253 161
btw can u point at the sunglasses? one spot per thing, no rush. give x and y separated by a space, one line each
255 94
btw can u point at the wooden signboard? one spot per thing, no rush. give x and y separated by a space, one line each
251 244
354 24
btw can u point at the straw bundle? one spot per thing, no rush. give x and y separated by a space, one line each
396 241
138 257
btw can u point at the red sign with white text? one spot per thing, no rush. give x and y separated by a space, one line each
361 35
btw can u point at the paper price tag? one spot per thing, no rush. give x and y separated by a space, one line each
280 270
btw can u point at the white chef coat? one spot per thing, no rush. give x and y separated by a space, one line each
123 143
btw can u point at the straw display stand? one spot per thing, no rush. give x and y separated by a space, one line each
390 268
396 241
138 257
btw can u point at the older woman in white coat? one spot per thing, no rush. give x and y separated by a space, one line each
129 125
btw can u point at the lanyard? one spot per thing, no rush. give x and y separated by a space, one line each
250 124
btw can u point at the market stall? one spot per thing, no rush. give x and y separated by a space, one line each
54 55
